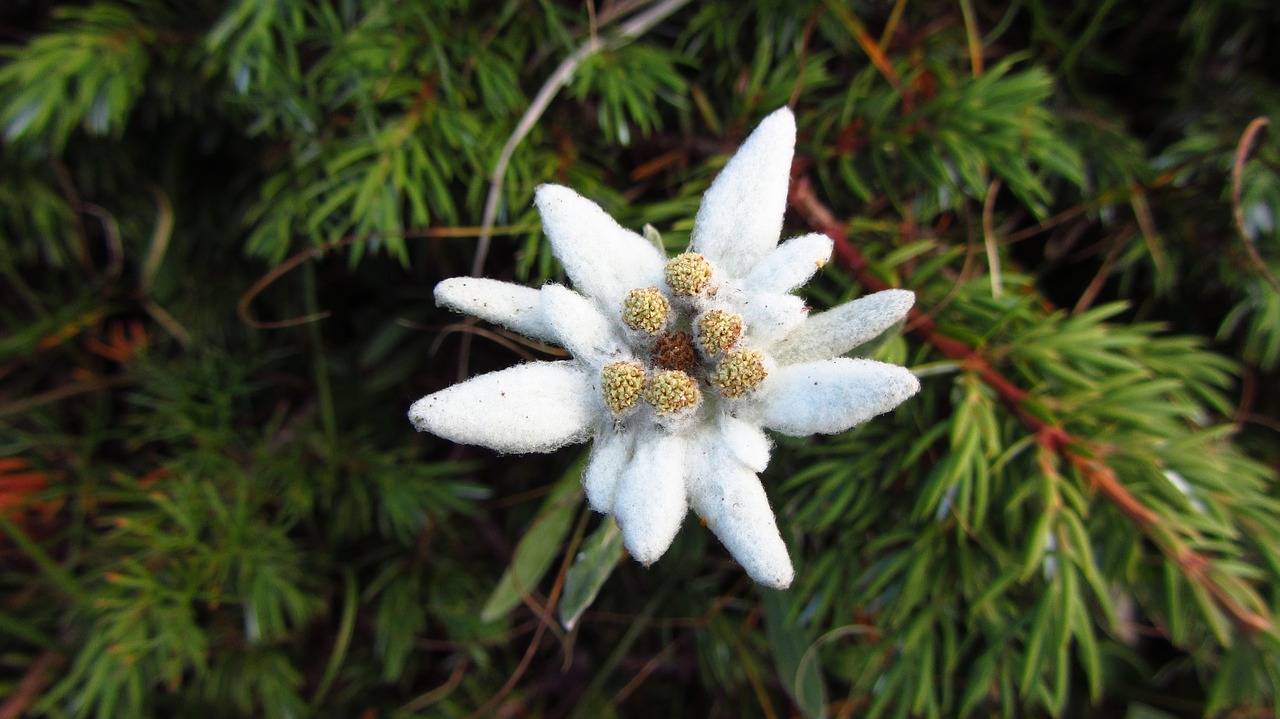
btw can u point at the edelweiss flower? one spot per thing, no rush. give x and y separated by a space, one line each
678 365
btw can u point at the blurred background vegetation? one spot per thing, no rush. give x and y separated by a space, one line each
220 224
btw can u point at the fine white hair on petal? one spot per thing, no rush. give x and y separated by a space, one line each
740 218
515 307
534 407
747 441
610 454
838 330
833 395
768 317
791 264
650 502
604 260
732 501
578 325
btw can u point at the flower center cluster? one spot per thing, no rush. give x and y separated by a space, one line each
688 274
645 310
687 353
671 391
621 383
675 351
718 331
740 371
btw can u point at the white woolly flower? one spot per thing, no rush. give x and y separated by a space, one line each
678 364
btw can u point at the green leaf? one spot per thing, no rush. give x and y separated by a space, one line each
599 555
1035 549
538 547
653 236
1043 622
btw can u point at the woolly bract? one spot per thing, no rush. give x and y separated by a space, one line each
653 460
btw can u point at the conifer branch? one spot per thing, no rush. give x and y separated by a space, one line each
1193 565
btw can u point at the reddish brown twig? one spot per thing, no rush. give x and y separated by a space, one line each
1250 136
922 326
1194 566
42 670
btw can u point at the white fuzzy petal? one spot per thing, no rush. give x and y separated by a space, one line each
651 502
769 317
732 501
577 325
515 307
748 442
741 215
534 407
604 260
833 395
610 454
836 331
791 264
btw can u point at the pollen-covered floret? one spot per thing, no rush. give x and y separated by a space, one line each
675 351
688 274
670 391
645 309
718 331
740 371
621 383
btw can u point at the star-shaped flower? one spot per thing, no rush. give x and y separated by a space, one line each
678 365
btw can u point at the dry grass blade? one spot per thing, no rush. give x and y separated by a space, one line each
558 79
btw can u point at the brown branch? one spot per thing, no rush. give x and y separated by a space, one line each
874 51
546 621
66 391
1251 134
922 326
423 701
1102 478
33 682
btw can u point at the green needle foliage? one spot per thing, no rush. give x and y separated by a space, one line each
220 223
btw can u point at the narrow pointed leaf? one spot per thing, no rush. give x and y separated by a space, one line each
597 560
537 548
